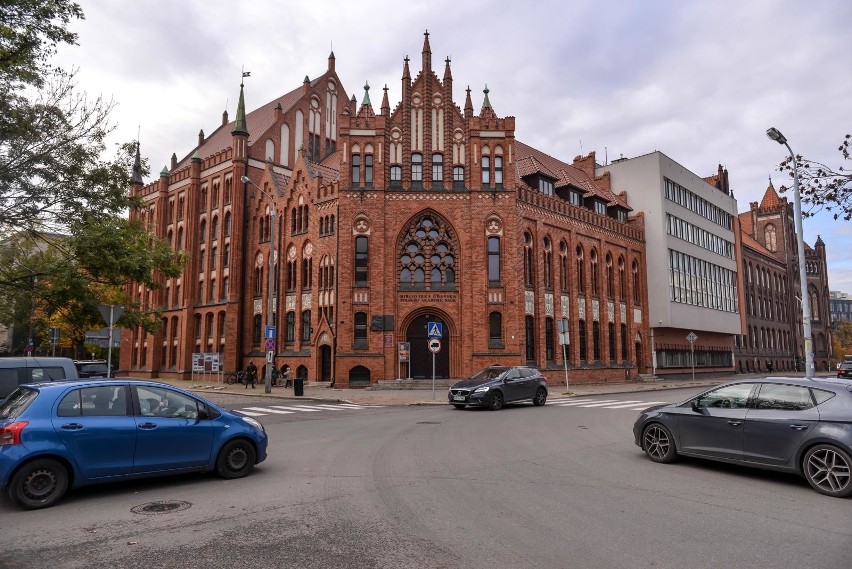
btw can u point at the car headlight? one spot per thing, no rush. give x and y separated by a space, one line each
481 389
254 423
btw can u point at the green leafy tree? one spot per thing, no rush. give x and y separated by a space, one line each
67 242
824 187
841 337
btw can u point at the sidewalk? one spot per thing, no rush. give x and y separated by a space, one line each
374 396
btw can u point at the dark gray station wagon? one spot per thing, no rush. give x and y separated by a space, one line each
494 386
787 424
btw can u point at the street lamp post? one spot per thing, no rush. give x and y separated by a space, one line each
270 321
774 134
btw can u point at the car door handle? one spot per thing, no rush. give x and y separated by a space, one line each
148 426
72 426
734 423
798 427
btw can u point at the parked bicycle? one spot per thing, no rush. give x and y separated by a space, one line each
236 377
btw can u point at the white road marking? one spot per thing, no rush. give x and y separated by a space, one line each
586 401
251 414
268 410
294 408
642 405
633 402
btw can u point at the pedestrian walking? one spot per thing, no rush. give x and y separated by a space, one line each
768 366
251 375
285 375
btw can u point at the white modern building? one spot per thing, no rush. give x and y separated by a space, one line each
692 266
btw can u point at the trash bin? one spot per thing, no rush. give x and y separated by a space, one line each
298 386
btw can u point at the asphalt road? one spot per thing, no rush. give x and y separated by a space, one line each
433 487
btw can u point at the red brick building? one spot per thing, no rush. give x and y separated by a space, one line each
386 223
771 286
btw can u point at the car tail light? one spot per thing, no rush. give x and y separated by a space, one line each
11 434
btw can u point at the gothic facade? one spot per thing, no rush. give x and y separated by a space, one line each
379 226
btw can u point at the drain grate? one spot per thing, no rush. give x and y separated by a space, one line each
161 507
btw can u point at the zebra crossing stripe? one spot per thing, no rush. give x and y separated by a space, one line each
321 407
642 405
267 410
634 402
251 413
354 406
586 401
294 408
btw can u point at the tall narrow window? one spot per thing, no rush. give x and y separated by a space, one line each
610 288
596 340
437 170
637 293
621 282
256 329
581 339
486 170
417 170
202 237
581 271
495 327
593 261
368 169
624 342
291 328
498 170
548 339
563 266
548 264
611 330
361 261
528 260
494 261
529 333
361 328
306 326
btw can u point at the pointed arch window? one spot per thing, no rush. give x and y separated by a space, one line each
610 288
593 269
427 248
581 272
563 266
637 293
202 237
771 238
528 260
548 264
306 326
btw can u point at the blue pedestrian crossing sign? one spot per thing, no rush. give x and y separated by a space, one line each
435 330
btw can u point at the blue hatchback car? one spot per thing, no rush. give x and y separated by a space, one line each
55 436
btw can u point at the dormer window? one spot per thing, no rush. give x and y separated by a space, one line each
574 197
600 207
621 215
545 186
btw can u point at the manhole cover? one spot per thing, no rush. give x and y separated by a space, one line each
161 507
429 422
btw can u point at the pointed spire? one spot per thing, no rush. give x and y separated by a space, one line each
353 105
174 160
366 100
385 103
406 74
331 61
164 173
136 177
200 137
486 104
427 54
225 117
770 182
240 127
447 73
468 104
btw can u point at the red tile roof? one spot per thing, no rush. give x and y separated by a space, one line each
530 161
746 222
770 198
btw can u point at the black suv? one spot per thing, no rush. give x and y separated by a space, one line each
845 370
93 369
495 385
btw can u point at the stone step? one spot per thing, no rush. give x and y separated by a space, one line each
414 383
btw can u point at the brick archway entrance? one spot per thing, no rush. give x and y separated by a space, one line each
421 357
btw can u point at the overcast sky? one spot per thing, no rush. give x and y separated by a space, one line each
700 81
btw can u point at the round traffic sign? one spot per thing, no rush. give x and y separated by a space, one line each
434 345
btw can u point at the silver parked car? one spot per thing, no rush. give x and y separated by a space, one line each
786 424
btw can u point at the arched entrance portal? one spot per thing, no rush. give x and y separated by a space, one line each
325 363
421 357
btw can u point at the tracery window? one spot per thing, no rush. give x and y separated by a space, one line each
427 249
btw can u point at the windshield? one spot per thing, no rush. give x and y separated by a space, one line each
489 373
17 402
